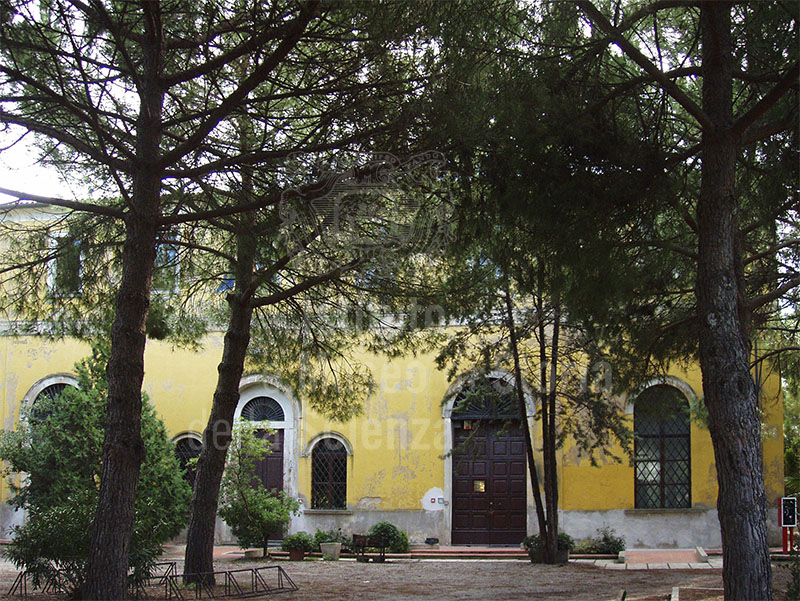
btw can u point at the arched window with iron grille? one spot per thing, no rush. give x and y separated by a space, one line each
42 405
186 449
263 409
329 475
662 454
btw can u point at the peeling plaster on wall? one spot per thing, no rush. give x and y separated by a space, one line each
404 472
12 398
408 380
368 502
374 483
400 433
377 406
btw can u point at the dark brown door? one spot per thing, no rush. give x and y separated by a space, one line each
270 469
489 495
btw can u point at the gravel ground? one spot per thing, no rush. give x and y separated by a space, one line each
397 580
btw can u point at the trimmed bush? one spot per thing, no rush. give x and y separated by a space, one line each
301 541
534 542
392 537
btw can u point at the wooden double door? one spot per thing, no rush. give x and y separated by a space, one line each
489 484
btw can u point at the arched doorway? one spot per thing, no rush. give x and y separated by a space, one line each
489 466
266 410
268 402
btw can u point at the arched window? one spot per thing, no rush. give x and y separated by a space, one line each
329 475
263 409
486 399
39 410
662 449
186 449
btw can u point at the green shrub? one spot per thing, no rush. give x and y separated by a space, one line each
533 543
329 536
606 542
253 512
793 590
301 541
60 447
392 538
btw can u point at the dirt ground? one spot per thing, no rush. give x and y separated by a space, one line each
398 580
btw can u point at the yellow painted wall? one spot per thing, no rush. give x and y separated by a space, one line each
399 440
612 486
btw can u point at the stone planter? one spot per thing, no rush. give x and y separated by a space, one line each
296 554
254 553
331 550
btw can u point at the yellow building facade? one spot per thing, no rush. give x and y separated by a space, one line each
393 461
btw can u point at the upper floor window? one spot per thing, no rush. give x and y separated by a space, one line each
662 459
329 475
65 273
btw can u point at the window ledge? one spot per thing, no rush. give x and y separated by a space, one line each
328 511
666 511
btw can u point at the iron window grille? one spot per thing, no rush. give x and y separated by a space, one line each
263 409
662 456
43 404
329 475
187 449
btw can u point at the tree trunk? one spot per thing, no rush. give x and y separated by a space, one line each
107 562
728 387
107 569
549 424
549 548
217 435
523 412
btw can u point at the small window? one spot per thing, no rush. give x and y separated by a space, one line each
662 459
263 409
329 475
65 275
186 449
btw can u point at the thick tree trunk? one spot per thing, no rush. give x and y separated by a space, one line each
217 435
107 569
107 565
724 350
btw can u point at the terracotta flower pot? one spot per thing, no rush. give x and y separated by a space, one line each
296 554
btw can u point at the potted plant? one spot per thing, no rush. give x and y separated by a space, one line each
298 545
330 543
533 544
